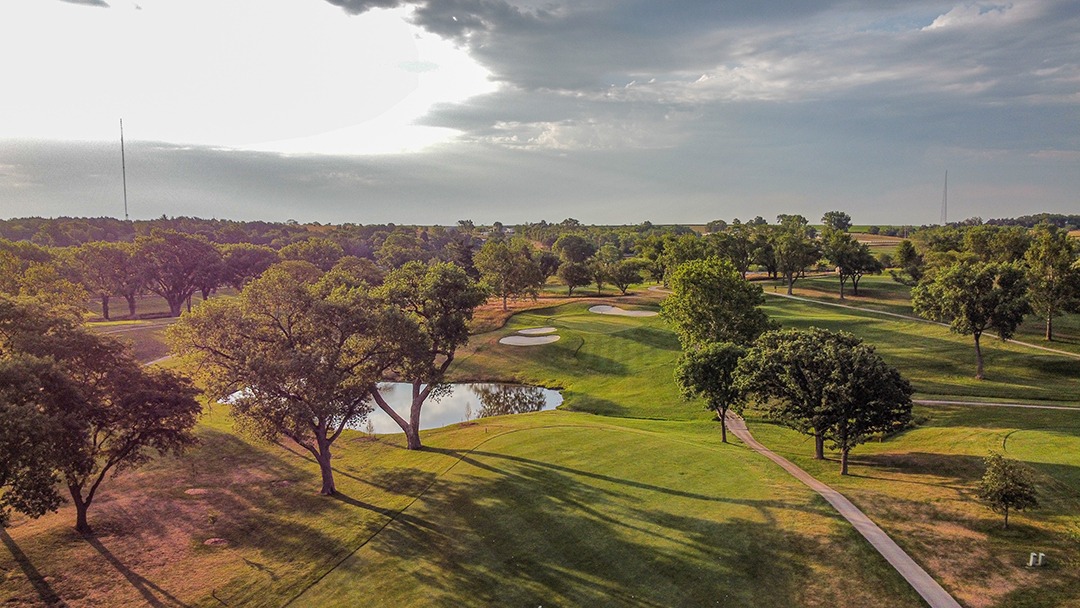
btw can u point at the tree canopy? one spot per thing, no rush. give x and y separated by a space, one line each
1007 485
975 297
708 372
826 384
296 354
712 302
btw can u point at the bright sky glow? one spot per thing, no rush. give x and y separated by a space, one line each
299 77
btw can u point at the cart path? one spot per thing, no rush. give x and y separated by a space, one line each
934 594
912 318
1029 406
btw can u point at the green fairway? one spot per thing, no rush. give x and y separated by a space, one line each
605 364
941 363
568 511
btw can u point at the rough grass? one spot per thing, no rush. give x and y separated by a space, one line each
921 488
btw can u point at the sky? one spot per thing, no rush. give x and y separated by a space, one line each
607 111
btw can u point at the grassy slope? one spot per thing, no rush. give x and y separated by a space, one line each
921 488
940 363
653 513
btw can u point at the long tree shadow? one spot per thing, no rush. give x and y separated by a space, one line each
152 593
531 533
41 586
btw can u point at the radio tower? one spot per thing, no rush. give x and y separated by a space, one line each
123 167
945 201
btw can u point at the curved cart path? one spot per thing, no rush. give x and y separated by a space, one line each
934 594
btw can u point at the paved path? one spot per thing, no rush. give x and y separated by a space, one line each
923 583
912 318
1030 406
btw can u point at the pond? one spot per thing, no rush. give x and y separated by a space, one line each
464 401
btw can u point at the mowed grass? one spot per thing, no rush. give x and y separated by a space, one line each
942 364
881 292
921 487
579 512
605 364
560 508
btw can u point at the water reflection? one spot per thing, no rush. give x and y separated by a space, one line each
461 402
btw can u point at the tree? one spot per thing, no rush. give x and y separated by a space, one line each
1053 277
716 226
708 372
176 264
851 258
793 248
400 248
625 273
737 245
837 220
974 297
573 248
910 263
548 263
711 302
101 265
509 268
45 283
1007 485
36 403
574 274
297 351
433 306
244 262
602 264
111 411
322 253
826 384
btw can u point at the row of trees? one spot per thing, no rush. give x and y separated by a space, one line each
826 384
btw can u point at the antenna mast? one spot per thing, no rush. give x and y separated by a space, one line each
945 201
123 167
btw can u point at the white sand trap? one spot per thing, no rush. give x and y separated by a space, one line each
615 310
528 340
537 331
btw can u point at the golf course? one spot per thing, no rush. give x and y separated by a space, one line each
623 496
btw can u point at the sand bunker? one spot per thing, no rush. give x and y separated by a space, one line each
528 340
537 331
615 310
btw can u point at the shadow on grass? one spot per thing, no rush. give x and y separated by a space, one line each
950 470
152 593
535 533
652 337
41 586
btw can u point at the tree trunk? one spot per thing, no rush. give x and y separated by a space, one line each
206 293
412 434
819 445
790 282
1049 324
722 415
1006 518
843 460
176 305
189 303
504 302
855 284
105 306
81 506
131 304
842 287
328 487
978 358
